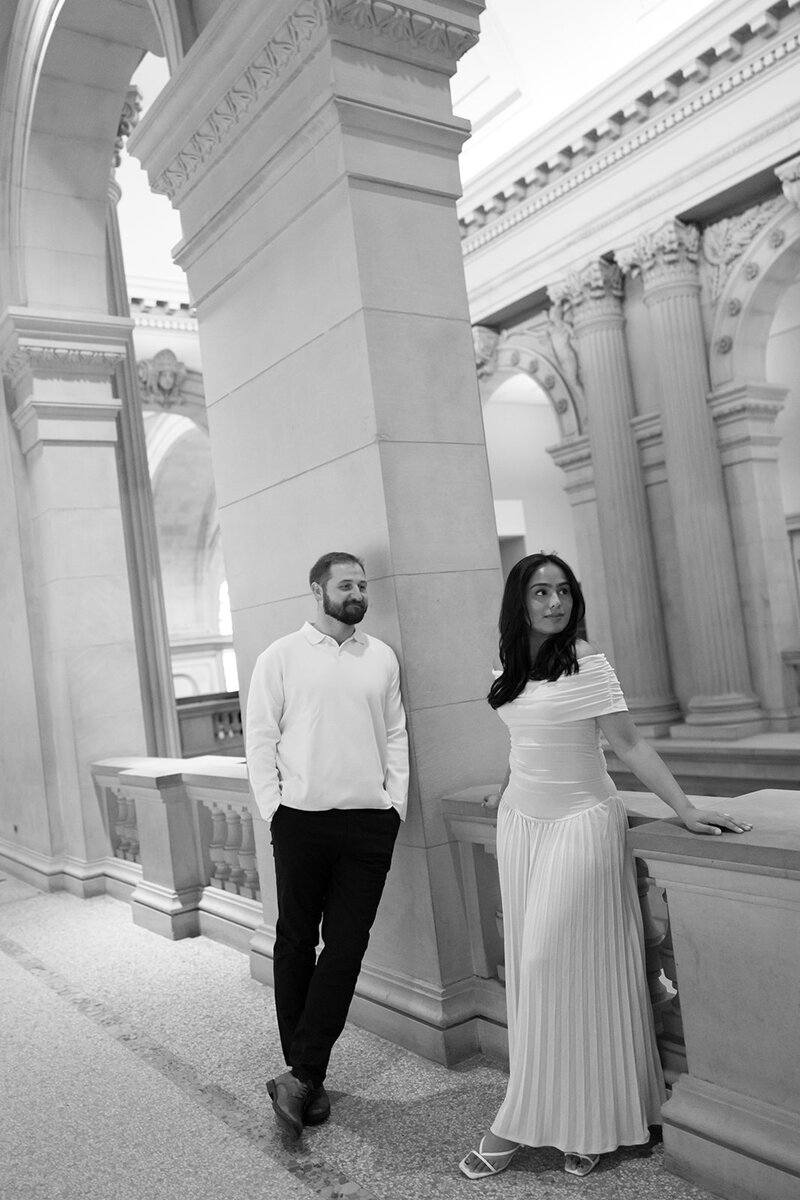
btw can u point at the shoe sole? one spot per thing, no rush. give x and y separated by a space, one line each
284 1118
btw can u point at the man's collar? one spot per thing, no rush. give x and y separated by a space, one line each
315 636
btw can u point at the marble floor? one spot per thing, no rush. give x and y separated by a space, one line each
133 1068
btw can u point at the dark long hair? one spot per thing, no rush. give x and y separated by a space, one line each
556 655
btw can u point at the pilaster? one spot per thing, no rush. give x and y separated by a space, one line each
594 296
723 703
59 371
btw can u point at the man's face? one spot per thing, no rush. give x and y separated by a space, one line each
344 596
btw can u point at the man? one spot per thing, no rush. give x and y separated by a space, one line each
327 755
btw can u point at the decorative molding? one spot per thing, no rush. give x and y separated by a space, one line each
789 175
266 70
727 240
280 55
679 98
384 18
161 380
672 245
62 362
599 280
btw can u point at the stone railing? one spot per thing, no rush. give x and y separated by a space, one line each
473 828
211 725
722 916
189 826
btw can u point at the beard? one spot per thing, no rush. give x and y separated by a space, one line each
349 612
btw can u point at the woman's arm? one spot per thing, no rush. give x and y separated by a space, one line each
492 799
640 757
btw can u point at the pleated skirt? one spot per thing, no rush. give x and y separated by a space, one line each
585 1075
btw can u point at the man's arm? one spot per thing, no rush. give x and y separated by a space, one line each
397 769
262 733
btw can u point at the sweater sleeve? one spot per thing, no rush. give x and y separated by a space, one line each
265 702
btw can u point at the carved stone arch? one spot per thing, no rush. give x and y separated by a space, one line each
749 300
522 353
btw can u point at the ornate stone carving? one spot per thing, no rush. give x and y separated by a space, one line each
671 245
596 281
724 344
789 175
128 121
727 240
484 340
561 338
388 19
62 362
161 379
272 63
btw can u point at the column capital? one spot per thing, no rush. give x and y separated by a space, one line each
39 344
664 256
593 293
789 175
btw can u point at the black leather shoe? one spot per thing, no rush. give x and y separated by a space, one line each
289 1096
318 1106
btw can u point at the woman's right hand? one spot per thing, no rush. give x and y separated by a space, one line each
491 800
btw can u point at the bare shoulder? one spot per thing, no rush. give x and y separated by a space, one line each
584 649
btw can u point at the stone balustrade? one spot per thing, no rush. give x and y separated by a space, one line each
721 918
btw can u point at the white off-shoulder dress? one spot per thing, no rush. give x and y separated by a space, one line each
584 1074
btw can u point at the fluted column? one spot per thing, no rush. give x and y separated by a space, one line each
637 627
723 703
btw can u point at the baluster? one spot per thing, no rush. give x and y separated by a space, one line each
216 851
671 1041
653 939
132 832
251 887
119 815
233 843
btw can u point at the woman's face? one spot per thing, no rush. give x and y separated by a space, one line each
548 600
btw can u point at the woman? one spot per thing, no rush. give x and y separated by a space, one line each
584 1069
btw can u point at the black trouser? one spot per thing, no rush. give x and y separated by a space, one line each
330 868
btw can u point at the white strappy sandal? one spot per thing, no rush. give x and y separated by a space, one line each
580 1164
479 1164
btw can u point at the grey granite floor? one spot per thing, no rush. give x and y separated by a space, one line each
133 1068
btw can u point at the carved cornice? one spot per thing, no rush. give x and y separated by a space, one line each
278 57
49 346
789 175
727 241
670 248
60 362
654 114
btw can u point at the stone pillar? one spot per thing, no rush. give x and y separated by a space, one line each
745 415
574 457
723 703
58 369
311 149
144 567
638 643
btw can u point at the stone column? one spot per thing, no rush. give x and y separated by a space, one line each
141 542
58 369
638 643
723 703
312 151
